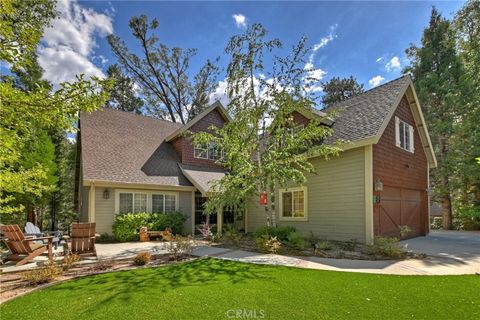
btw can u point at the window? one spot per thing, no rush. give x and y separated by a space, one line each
147 201
201 151
132 202
164 203
208 151
293 204
404 135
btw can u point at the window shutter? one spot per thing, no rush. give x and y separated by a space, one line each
410 132
397 132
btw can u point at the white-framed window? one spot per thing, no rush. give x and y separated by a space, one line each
132 201
208 151
404 135
293 204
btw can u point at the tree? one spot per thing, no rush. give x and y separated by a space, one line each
262 155
438 74
338 89
122 95
29 109
163 73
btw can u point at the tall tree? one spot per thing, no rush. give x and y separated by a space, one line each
261 156
438 72
122 95
163 73
338 89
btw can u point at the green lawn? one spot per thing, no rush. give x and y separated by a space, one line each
209 288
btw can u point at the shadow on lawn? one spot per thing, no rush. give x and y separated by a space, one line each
150 281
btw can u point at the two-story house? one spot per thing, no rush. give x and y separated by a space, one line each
131 163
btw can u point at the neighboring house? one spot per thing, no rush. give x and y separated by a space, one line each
131 163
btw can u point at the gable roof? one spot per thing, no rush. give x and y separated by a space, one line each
201 177
216 105
123 147
363 118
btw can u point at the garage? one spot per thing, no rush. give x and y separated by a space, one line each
400 207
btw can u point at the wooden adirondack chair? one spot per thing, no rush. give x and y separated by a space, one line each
19 245
83 238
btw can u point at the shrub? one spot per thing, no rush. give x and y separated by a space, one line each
467 218
179 247
205 230
231 234
45 274
127 226
142 258
404 230
273 245
437 223
323 245
70 260
105 238
349 245
387 247
280 232
296 241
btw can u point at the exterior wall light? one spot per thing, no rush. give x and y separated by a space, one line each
378 185
106 194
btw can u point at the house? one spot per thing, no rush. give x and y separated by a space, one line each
131 163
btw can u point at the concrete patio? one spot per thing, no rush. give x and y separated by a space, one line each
448 253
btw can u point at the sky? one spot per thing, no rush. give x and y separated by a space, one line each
363 39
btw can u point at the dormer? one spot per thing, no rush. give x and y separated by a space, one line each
215 115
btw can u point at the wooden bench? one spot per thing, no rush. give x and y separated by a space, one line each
146 235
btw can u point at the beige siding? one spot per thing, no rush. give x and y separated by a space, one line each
105 208
335 200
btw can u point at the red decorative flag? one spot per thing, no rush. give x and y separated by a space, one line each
263 198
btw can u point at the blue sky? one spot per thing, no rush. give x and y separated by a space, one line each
364 39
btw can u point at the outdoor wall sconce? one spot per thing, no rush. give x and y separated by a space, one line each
106 194
378 185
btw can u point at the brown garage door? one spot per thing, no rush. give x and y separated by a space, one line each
400 207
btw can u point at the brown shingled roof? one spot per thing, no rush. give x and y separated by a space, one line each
122 147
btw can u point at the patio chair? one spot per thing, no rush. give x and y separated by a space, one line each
19 245
33 230
82 240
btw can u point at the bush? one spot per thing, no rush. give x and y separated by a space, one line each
231 234
467 218
349 245
105 238
280 232
323 245
179 247
45 274
205 230
296 241
142 258
437 223
387 247
127 226
404 230
70 260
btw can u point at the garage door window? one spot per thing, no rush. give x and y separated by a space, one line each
404 135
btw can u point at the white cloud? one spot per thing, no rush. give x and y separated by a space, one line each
380 59
220 93
393 64
375 81
323 42
240 20
68 44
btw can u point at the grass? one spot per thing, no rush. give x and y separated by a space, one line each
209 288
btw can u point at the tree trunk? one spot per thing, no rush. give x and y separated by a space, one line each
31 215
447 212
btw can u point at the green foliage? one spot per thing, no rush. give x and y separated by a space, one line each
338 89
126 226
467 218
142 258
261 157
231 234
437 223
106 238
387 247
296 241
163 73
280 232
323 245
404 230
122 95
266 243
